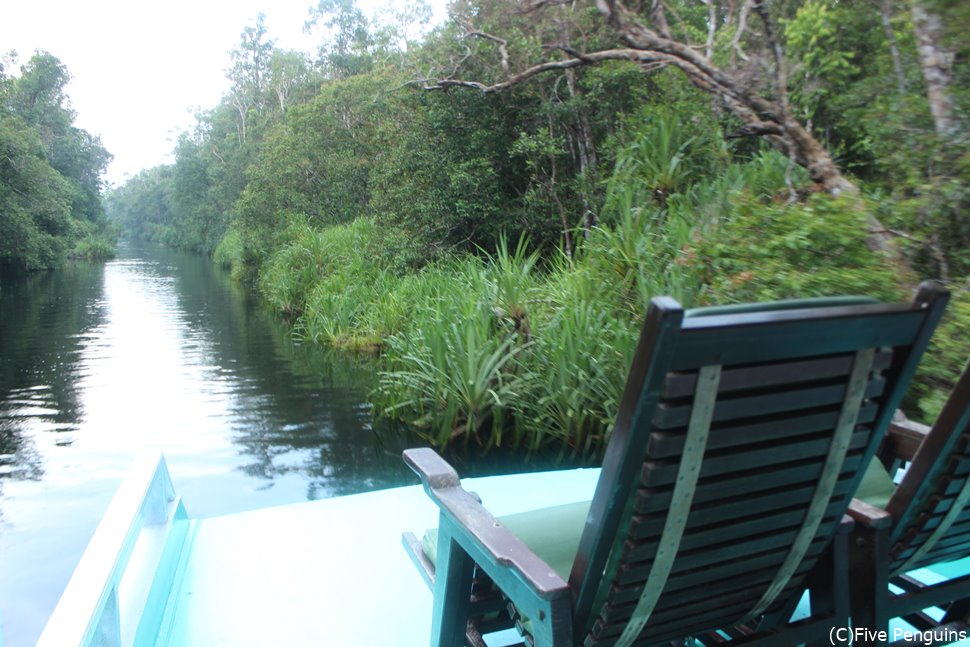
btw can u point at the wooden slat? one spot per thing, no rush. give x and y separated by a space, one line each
679 385
755 544
682 498
791 339
770 500
667 443
726 533
673 415
683 593
726 462
958 537
716 552
733 486
631 575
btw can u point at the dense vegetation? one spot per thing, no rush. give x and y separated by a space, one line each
50 171
499 247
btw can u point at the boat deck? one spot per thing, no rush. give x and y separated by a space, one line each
328 572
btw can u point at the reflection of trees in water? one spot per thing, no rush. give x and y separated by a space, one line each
294 408
43 321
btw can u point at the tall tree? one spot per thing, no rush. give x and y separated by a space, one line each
347 39
250 72
651 42
937 63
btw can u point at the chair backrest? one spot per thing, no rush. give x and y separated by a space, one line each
739 442
932 519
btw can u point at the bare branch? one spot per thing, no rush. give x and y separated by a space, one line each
658 17
650 49
781 72
742 27
502 43
634 55
711 28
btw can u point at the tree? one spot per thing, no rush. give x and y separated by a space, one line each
937 63
250 72
39 96
35 212
751 82
347 39
288 70
650 42
50 171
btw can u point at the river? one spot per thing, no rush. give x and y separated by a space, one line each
159 350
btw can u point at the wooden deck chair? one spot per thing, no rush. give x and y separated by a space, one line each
922 521
737 447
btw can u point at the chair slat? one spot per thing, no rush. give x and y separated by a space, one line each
763 404
732 486
730 510
668 443
727 462
784 337
679 385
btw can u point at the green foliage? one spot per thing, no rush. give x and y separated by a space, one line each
946 358
374 215
576 370
230 254
662 155
817 248
822 61
35 214
444 177
453 375
316 163
94 244
50 187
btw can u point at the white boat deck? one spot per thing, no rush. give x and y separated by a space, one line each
328 572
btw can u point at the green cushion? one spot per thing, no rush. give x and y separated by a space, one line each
789 304
877 486
552 533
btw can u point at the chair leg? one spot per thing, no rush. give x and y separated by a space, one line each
869 584
957 611
452 590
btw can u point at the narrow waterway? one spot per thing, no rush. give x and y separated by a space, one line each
159 351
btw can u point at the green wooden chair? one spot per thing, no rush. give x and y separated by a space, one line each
922 521
737 447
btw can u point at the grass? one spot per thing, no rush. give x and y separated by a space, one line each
510 350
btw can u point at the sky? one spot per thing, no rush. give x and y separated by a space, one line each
141 70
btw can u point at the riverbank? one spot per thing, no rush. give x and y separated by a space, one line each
514 350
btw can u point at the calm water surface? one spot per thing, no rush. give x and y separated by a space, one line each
157 350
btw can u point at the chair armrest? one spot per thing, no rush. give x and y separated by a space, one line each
869 515
905 437
494 542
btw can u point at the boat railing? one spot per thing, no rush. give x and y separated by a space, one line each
118 594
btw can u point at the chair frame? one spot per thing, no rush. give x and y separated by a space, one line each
879 532
469 537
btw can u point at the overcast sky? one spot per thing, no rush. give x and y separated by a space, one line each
141 69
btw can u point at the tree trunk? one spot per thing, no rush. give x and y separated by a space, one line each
937 65
586 151
887 27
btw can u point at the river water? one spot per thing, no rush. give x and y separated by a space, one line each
158 350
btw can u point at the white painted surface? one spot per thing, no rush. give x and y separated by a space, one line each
331 572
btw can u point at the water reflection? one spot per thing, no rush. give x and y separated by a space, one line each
157 351
44 323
